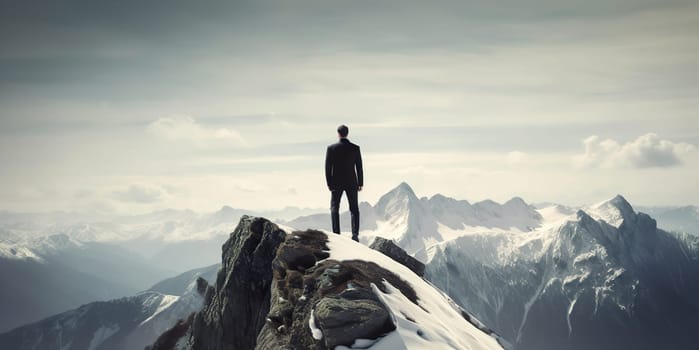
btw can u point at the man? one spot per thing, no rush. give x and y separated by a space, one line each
341 160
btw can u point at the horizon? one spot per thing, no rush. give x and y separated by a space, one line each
344 205
131 108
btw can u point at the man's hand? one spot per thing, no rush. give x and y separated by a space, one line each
359 189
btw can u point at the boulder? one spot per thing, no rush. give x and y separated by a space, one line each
343 320
393 251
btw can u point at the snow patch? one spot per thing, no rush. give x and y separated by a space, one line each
315 331
165 302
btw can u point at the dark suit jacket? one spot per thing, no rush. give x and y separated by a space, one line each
341 159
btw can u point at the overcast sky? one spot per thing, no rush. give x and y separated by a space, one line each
131 106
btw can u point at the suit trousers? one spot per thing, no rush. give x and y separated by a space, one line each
353 207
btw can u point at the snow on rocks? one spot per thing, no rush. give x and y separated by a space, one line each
432 323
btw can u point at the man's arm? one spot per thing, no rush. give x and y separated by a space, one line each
360 170
328 167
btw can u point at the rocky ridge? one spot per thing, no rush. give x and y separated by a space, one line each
285 291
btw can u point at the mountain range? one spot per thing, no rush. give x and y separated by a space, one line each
602 276
543 277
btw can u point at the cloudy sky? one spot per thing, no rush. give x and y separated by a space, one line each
131 106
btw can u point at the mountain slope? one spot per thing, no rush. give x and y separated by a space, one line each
605 278
52 274
119 324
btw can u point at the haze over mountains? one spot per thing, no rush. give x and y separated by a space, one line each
543 277
124 323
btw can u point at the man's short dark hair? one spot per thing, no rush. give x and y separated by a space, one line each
343 130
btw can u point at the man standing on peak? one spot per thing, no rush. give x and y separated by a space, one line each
341 159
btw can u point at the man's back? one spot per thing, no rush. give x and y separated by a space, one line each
342 158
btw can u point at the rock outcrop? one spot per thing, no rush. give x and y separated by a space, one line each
236 309
331 296
389 248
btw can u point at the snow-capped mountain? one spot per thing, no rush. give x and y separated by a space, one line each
418 223
604 277
543 277
125 323
550 277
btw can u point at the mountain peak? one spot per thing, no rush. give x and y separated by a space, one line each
620 203
403 190
226 208
619 200
404 187
614 211
440 198
516 201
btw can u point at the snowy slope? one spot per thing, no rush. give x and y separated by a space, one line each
437 323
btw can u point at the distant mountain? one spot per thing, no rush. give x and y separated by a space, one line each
178 285
51 274
119 324
678 219
176 240
417 223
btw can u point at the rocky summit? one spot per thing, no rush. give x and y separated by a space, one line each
279 290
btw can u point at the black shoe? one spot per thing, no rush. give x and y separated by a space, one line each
355 238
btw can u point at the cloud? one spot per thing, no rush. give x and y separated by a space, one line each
647 151
186 128
138 194
174 189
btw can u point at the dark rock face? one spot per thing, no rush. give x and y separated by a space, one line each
390 249
236 309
